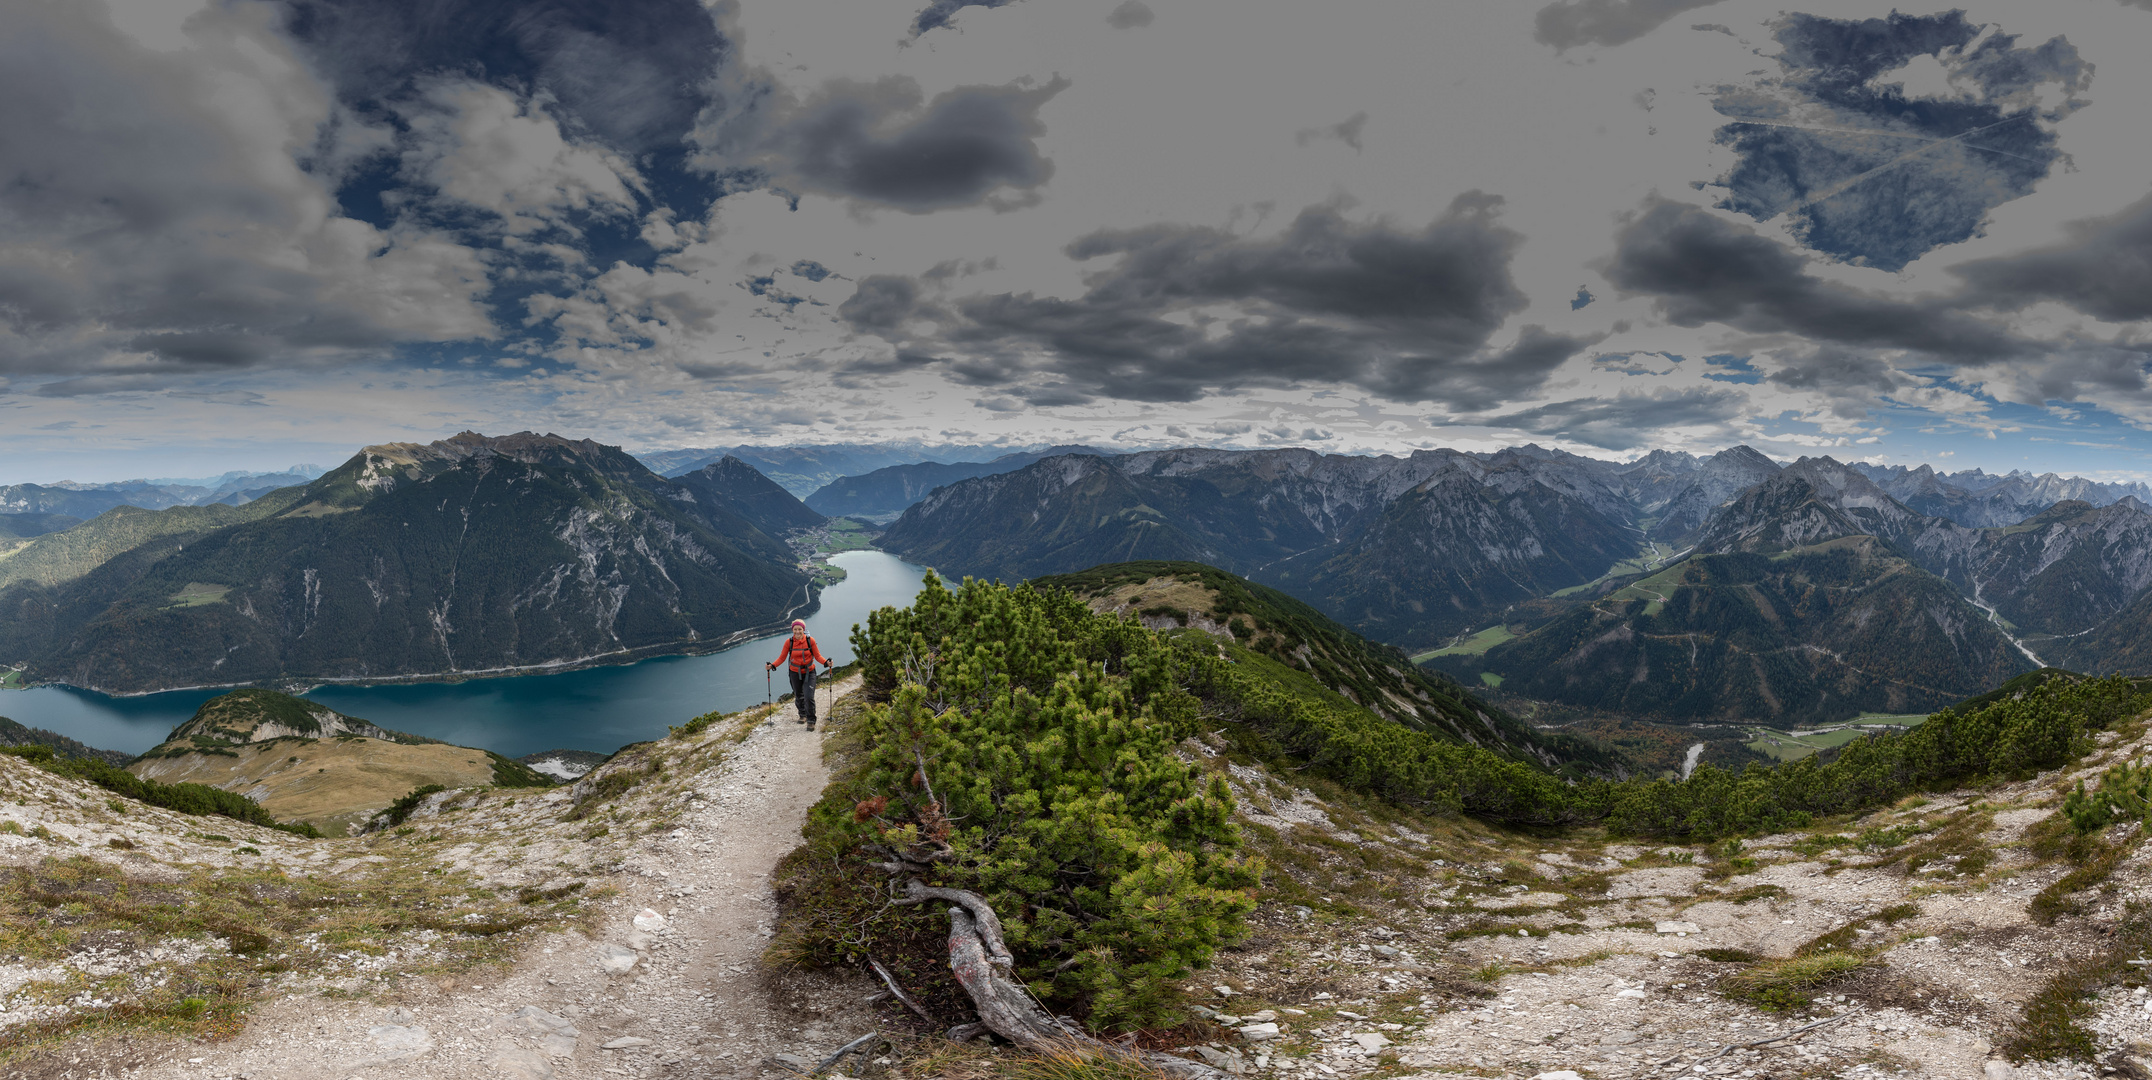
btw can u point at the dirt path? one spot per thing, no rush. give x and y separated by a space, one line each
692 1000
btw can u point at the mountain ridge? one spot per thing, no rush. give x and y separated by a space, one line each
470 555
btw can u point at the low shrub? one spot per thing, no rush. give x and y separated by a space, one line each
193 799
1790 984
402 808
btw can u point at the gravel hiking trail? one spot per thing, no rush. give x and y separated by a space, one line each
684 995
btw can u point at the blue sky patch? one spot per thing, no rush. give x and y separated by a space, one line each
1884 139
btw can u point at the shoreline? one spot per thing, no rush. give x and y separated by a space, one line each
299 686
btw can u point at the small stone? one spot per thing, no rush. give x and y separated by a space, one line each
1227 1019
616 959
793 1060
1678 928
1350 1015
1223 991
1386 950
1259 1032
1216 1058
1999 1069
1632 992
1371 1042
629 1042
1563 1074
649 921
550 1022
1263 1017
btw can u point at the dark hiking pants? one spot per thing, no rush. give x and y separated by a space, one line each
803 692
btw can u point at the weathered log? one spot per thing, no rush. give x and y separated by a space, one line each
979 958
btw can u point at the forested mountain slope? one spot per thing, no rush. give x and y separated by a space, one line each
1807 634
1264 623
734 486
470 554
1406 548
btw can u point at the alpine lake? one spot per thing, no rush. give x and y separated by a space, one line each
595 708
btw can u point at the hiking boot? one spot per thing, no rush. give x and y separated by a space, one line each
810 725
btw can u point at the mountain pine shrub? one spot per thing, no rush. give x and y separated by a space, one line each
1023 749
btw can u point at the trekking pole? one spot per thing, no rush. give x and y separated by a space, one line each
767 702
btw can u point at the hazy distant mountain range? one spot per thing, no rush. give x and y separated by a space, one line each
471 554
804 470
880 496
1673 585
68 499
1726 586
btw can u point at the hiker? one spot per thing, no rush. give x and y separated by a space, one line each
801 651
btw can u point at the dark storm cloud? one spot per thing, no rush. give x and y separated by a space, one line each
1185 310
1606 22
1134 13
1850 382
632 72
942 13
2104 269
1346 131
880 143
1875 176
1704 269
1628 420
142 232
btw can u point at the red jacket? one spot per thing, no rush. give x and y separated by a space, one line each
802 654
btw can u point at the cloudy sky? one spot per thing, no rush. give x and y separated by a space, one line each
238 233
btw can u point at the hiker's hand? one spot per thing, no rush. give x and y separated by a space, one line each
769 667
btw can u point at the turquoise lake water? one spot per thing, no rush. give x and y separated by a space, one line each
599 709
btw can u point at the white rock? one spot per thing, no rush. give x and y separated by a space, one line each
649 921
521 1064
400 1042
1223 991
1679 928
1999 1069
626 1042
1259 1032
1263 1017
1370 1042
1632 992
616 959
560 1046
1564 1074
1227 1019
1349 1015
